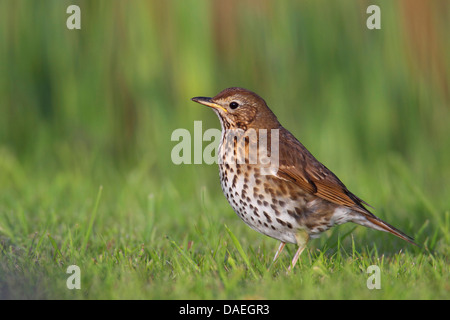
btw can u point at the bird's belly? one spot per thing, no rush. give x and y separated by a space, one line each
261 205
275 207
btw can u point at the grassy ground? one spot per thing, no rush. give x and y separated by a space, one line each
173 244
86 176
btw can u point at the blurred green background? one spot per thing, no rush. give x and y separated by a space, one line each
108 96
97 106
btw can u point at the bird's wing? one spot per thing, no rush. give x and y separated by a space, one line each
298 165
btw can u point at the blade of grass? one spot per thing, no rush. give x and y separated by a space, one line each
91 221
55 246
188 259
241 252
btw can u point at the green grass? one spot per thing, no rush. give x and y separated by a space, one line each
86 177
169 246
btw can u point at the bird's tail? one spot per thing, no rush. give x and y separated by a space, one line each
374 222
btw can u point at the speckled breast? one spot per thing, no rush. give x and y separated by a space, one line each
275 207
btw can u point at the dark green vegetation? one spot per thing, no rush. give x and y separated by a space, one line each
86 118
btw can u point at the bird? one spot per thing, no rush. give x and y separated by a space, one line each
289 196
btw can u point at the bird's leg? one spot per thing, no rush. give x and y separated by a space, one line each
280 248
297 255
302 239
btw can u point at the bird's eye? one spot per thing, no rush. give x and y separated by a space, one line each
234 105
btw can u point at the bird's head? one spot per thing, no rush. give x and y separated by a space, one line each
238 108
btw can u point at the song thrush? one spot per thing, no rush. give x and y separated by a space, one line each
292 199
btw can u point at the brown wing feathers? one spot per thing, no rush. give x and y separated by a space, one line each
302 168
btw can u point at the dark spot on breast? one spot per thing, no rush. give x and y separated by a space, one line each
233 185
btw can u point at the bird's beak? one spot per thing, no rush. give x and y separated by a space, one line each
208 102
